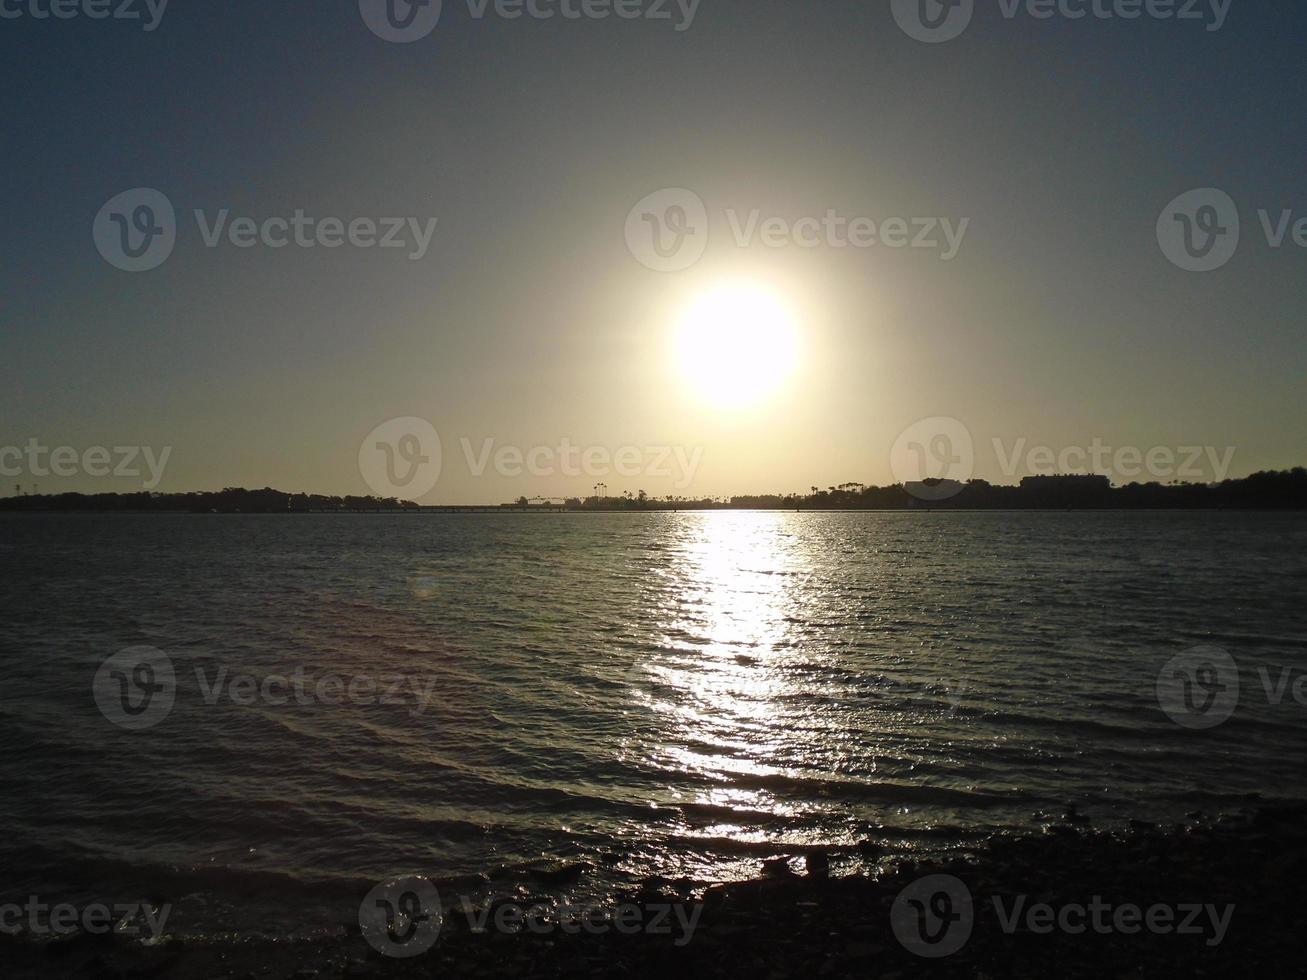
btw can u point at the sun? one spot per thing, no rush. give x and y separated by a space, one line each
736 344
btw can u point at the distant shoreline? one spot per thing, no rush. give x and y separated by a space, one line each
1282 490
427 511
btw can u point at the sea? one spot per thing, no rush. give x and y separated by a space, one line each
256 719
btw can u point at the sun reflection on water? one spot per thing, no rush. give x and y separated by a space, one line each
729 634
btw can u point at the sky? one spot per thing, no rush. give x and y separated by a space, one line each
1019 296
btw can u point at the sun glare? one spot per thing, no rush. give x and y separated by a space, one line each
736 344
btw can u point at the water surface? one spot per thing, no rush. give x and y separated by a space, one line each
652 694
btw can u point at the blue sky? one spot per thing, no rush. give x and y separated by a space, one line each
527 320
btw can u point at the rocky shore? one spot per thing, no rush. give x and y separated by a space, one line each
1211 897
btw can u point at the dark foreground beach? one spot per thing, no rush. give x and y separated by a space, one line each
1213 897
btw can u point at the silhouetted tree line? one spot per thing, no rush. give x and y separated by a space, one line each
1282 490
232 500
